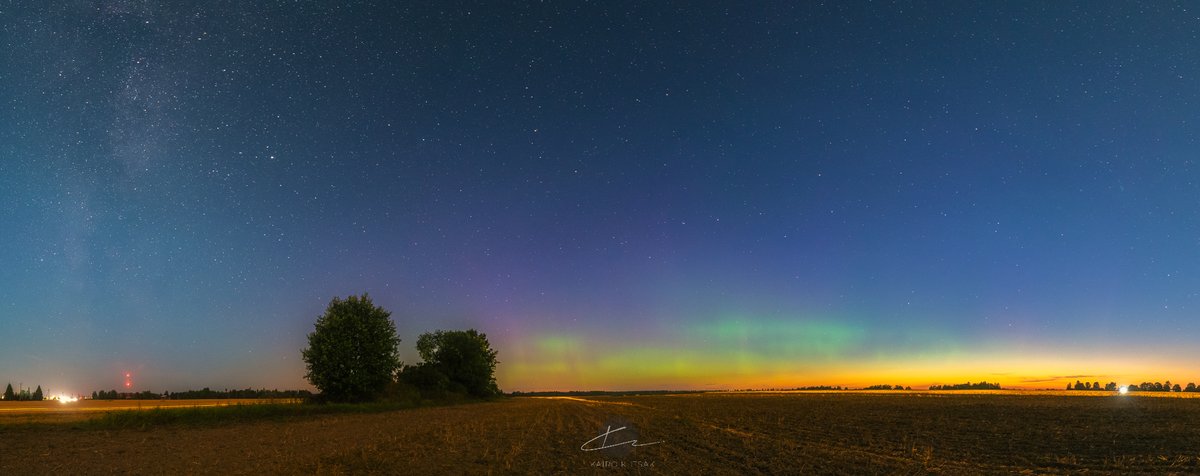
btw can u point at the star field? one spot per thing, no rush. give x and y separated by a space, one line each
620 194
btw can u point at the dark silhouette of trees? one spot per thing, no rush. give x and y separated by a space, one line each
455 362
246 393
1150 386
1079 385
352 355
427 379
23 395
201 394
885 387
967 386
1166 386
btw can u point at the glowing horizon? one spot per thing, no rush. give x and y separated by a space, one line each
766 353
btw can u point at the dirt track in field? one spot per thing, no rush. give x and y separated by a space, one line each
896 433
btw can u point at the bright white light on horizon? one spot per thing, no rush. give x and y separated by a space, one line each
65 399
1123 390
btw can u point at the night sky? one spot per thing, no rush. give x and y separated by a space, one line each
619 194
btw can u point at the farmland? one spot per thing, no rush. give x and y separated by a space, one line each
54 411
717 433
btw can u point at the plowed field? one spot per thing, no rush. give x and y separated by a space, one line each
797 433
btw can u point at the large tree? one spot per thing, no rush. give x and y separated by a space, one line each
8 393
352 354
37 394
464 357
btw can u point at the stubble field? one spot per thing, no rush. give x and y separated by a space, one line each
720 433
53 411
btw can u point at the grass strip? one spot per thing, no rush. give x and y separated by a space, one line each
225 415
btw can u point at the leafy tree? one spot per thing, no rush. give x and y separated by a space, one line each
465 357
1079 385
37 394
1176 388
1069 387
1191 387
1095 385
427 379
1110 386
8 393
352 354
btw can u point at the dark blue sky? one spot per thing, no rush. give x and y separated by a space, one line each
742 195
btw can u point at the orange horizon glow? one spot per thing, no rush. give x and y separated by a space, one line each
847 383
571 366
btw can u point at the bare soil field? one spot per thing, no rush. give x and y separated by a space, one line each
719 433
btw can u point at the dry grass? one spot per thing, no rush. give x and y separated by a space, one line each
54 412
824 433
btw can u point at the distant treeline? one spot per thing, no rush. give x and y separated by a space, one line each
1143 387
887 387
600 393
961 386
205 393
23 395
791 389
967 386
